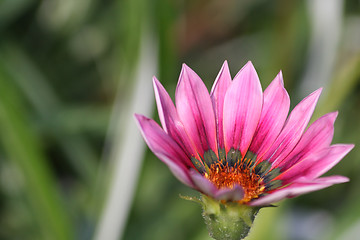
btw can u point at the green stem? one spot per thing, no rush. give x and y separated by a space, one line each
227 221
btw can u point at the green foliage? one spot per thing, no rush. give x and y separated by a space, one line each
63 62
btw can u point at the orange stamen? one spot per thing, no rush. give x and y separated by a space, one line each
225 176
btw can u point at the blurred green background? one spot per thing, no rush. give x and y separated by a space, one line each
73 72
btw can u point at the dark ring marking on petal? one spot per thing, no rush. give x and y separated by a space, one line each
233 156
271 175
263 194
222 156
249 160
262 168
198 165
210 158
273 185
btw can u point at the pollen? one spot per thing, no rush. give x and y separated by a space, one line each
225 176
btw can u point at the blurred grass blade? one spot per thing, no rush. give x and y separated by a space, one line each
43 99
23 148
127 145
326 22
343 83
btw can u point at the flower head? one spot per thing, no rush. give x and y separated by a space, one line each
238 143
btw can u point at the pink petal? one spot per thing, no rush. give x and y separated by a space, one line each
178 171
273 115
294 127
318 136
217 95
208 188
242 109
170 120
165 148
297 189
335 179
195 110
202 183
317 164
163 103
230 194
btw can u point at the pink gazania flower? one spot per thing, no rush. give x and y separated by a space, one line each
238 143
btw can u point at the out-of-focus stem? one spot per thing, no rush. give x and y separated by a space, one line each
127 146
326 20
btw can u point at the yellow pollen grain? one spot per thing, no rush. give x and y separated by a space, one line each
228 176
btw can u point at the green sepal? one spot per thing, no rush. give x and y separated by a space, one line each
227 220
193 199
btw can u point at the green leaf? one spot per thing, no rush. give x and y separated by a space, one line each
23 148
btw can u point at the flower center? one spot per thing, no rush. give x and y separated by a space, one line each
226 170
226 176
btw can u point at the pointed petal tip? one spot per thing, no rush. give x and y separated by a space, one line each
223 76
155 81
332 116
317 92
331 180
345 179
141 122
280 78
140 119
225 65
186 71
346 148
183 70
185 67
138 116
158 87
248 68
249 64
311 99
349 147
